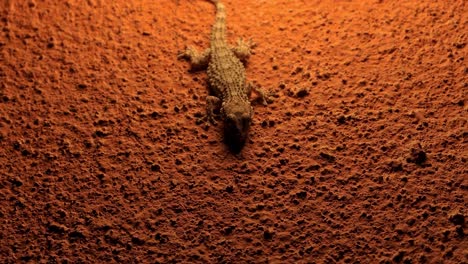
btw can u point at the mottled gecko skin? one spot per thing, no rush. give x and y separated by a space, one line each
226 76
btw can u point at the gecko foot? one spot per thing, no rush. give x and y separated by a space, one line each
213 103
207 120
244 49
263 96
197 60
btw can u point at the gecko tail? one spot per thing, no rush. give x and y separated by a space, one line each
218 32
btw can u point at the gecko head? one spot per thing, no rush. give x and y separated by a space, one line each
237 119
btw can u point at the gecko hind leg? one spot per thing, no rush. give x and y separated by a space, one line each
244 49
198 61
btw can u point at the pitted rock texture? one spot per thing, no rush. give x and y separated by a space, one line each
361 158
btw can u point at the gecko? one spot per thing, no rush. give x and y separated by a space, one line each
228 90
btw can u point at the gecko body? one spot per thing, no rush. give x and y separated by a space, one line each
229 90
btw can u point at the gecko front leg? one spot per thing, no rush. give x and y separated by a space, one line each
213 104
263 96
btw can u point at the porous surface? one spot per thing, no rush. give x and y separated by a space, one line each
361 158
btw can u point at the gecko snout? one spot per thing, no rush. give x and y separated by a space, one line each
236 130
